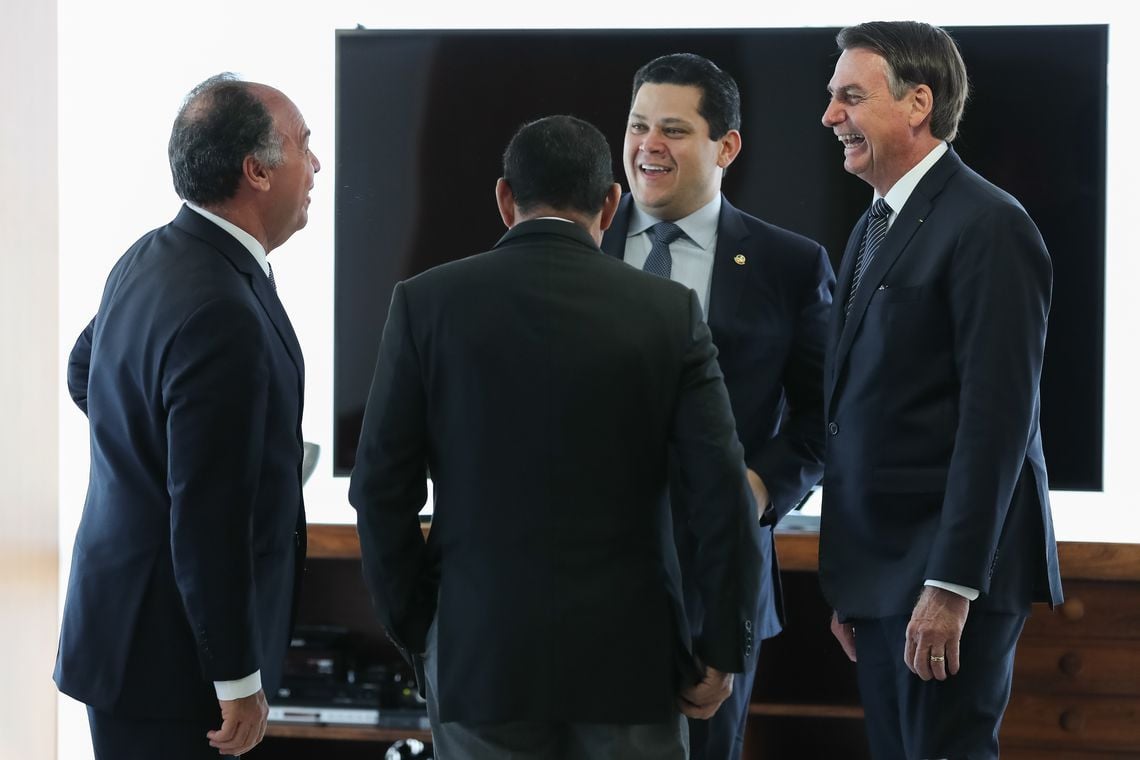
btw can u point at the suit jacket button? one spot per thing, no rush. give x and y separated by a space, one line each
833 428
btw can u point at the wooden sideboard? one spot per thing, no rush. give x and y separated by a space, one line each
1076 690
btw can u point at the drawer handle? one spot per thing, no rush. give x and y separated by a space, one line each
1072 721
1070 663
1074 609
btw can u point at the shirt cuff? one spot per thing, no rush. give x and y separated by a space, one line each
970 593
243 687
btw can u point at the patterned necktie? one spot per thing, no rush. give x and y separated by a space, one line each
660 262
876 231
272 282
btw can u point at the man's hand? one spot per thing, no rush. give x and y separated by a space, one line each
934 632
702 699
845 633
243 724
759 492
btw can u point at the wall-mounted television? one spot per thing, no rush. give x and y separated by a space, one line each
422 118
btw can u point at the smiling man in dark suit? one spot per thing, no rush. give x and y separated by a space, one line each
936 532
188 554
765 292
545 384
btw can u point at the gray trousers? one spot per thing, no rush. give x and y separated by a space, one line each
552 740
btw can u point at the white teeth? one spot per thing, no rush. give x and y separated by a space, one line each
654 168
849 139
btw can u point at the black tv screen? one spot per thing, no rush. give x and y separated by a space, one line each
422 118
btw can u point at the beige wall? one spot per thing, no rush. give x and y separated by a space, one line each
29 387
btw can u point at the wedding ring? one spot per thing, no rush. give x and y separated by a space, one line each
938 658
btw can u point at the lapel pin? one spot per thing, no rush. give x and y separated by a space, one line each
739 259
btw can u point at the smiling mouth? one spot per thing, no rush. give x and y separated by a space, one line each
851 139
654 170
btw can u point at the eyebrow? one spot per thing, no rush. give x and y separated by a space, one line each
846 89
666 120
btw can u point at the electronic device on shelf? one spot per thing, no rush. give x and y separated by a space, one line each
325 681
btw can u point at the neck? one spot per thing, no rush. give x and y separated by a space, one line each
592 224
244 216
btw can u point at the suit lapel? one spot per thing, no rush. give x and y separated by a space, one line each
202 228
728 277
912 216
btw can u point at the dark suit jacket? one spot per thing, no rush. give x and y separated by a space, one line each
768 319
189 549
934 461
543 383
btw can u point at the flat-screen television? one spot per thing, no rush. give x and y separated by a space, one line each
422 118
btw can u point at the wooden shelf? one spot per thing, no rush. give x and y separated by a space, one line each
799 552
344 732
806 711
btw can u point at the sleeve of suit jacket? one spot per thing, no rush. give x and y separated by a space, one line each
214 387
79 366
721 508
1000 280
792 462
388 486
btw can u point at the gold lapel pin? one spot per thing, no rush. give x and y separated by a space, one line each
739 259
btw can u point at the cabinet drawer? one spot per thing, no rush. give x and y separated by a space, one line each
1092 609
1041 753
1077 667
1073 722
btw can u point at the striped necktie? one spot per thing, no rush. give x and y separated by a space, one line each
876 230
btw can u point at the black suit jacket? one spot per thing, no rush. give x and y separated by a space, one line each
768 318
543 383
189 549
934 460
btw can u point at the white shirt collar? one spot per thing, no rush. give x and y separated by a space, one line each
249 241
699 226
898 195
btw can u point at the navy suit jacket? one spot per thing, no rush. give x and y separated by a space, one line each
544 383
768 318
934 460
188 553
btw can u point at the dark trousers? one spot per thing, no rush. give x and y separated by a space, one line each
721 737
118 738
956 719
547 740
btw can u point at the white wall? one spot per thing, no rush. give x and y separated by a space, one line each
125 64
29 474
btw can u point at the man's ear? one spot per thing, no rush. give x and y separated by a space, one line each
921 105
610 206
255 173
505 198
730 145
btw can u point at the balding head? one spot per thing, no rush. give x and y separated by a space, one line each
222 121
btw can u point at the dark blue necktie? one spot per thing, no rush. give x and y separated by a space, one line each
660 262
876 230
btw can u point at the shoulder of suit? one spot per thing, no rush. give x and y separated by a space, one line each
773 236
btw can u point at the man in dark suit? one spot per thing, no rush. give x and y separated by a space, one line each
188 554
766 294
545 384
935 488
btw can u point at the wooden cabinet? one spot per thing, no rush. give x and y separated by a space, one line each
1076 688
1076 684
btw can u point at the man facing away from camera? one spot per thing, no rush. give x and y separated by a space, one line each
546 386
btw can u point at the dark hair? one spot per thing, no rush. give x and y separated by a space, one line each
220 122
561 162
720 98
917 53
